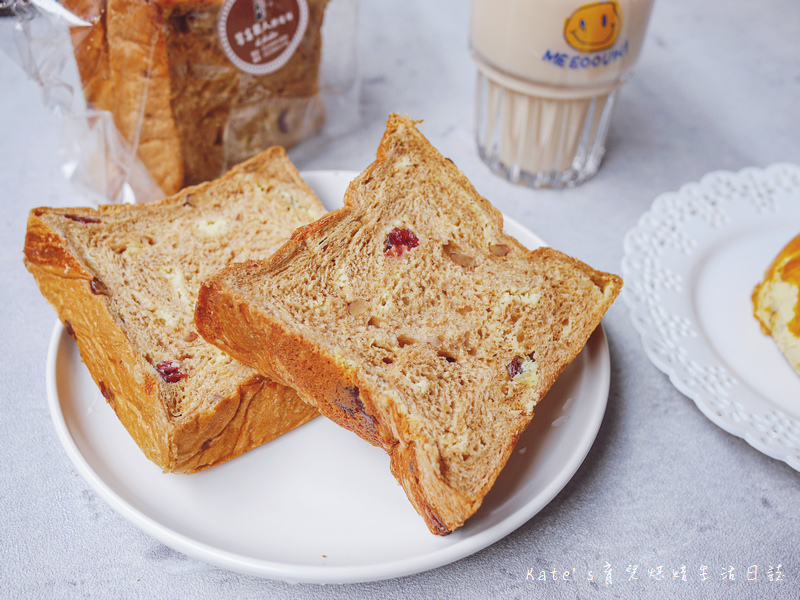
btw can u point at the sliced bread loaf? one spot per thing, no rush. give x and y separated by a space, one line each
159 67
124 281
409 317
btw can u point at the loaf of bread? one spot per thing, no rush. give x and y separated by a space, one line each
123 280
776 302
175 96
410 318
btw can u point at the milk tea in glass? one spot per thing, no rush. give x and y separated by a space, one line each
548 75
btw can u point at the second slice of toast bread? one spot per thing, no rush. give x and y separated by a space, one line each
124 281
409 317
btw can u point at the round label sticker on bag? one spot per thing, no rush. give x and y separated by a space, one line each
260 36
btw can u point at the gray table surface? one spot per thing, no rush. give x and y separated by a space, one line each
717 87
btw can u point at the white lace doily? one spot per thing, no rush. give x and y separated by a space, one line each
690 266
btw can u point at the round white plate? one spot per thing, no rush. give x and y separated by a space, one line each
319 504
690 267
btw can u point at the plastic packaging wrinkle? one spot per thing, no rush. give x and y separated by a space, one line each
158 95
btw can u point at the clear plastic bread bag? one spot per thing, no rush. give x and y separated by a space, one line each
156 95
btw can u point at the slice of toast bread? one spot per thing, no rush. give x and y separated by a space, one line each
123 280
409 317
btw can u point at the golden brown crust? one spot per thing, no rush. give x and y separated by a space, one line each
254 409
45 249
110 357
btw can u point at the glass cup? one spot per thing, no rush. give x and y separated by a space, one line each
548 76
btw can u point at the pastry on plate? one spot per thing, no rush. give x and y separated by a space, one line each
776 302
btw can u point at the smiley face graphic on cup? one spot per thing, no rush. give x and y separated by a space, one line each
594 26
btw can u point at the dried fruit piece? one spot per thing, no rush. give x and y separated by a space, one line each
283 123
453 252
405 340
81 219
514 368
107 394
463 260
499 249
350 402
99 288
170 370
399 241
70 330
357 308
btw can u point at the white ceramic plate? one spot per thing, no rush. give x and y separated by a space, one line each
319 504
690 267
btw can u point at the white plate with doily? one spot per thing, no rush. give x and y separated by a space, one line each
690 267
319 504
